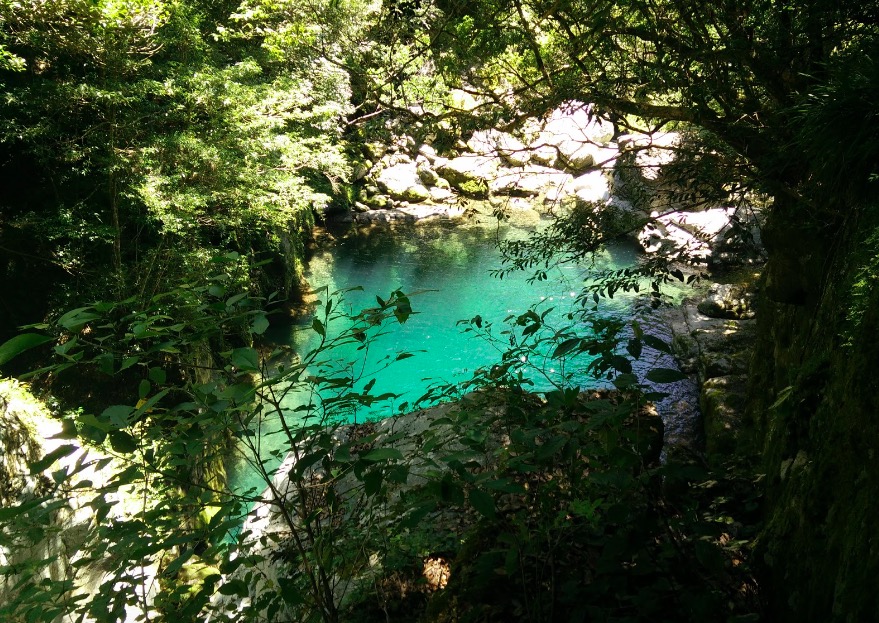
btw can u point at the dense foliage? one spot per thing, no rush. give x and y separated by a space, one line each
168 159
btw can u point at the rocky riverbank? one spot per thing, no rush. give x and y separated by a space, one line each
570 160
713 339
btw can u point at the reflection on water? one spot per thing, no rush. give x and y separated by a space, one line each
450 268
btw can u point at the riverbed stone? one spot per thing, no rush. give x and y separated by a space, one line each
528 181
403 183
428 152
727 300
374 217
441 195
574 121
426 174
591 187
469 174
378 202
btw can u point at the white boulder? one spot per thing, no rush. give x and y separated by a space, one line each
402 182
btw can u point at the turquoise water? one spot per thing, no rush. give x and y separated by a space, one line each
451 268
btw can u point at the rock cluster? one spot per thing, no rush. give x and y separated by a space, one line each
570 160
554 164
713 339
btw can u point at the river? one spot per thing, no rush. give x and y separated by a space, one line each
450 268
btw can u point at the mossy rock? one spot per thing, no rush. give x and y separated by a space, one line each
475 189
723 403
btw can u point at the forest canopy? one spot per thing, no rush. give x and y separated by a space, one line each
164 164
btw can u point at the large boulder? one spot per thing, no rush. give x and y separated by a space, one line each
740 241
575 121
402 182
469 174
651 152
571 138
497 144
685 235
728 300
528 181
591 187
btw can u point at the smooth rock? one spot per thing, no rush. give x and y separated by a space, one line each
441 195
574 121
591 187
383 216
427 175
528 181
402 182
512 150
428 152
462 169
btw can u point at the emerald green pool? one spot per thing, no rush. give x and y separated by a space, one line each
451 268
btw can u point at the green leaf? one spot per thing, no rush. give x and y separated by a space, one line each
504 484
623 381
234 299
245 359
122 441
654 342
157 376
634 347
710 556
117 415
621 364
76 319
234 587
372 482
143 390
260 324
307 461
383 454
15 511
482 502
402 310
58 453
665 375
90 420
783 395
636 328
20 343
565 347
318 327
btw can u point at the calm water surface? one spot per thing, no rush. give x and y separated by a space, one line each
451 267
